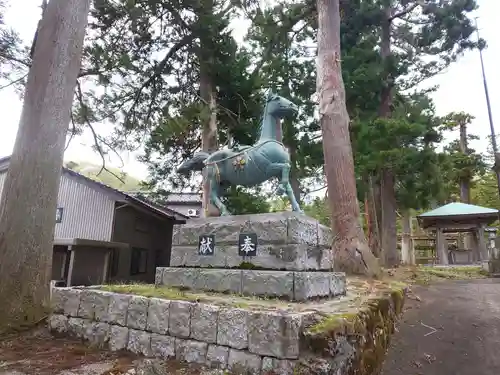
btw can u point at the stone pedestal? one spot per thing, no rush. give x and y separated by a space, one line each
277 255
285 241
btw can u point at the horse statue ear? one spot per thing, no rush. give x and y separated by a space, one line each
270 94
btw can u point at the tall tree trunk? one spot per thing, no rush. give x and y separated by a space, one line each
466 241
389 217
207 92
29 200
375 218
388 181
407 250
294 179
209 133
369 223
350 248
464 181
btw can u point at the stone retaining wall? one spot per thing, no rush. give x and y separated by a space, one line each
244 341
193 332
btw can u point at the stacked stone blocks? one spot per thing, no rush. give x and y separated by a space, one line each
290 285
293 258
221 337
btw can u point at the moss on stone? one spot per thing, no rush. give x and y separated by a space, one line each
247 266
331 323
369 329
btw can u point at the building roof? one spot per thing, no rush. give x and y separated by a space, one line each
141 202
174 197
459 209
184 197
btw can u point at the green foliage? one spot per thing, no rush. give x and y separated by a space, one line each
457 166
240 201
425 38
112 177
278 40
319 210
485 191
147 56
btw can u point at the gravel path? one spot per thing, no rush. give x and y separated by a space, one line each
453 330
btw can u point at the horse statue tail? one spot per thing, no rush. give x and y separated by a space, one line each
196 163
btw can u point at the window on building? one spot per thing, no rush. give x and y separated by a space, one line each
139 261
59 214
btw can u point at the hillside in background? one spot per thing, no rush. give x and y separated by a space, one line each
92 170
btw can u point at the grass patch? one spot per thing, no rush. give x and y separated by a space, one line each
424 275
176 294
148 290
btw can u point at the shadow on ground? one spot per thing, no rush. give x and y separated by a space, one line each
453 330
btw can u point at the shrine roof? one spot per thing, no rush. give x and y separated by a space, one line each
459 209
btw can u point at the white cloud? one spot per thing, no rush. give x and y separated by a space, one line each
461 86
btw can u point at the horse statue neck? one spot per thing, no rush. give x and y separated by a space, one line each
270 128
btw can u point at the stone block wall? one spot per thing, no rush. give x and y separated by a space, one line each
292 285
222 337
243 341
285 241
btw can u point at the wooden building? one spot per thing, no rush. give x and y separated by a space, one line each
103 234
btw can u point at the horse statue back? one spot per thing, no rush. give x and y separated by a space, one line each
250 165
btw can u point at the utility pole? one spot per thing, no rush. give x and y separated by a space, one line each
496 166
29 199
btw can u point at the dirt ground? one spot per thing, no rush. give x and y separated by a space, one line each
39 353
453 329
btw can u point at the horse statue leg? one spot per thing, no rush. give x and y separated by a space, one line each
214 198
285 186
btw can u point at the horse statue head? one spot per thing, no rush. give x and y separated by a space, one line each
279 107
276 108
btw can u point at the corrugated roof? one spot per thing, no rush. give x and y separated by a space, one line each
459 209
161 210
184 197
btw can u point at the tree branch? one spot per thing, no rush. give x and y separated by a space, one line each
27 64
97 140
14 82
15 59
307 10
404 12
158 70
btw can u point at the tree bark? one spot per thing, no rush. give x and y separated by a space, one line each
350 249
389 217
29 200
207 92
388 205
375 218
466 241
464 181
407 251
295 183
209 135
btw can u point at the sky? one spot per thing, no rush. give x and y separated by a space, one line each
460 88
